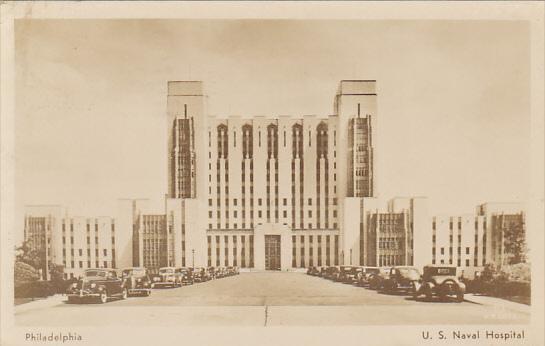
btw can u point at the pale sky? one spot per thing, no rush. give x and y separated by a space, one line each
453 101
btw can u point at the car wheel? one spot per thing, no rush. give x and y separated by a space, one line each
460 297
428 294
103 297
124 294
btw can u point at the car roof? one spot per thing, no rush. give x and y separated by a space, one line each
438 266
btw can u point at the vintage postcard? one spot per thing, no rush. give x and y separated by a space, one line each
272 173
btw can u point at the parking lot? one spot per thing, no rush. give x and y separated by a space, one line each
271 299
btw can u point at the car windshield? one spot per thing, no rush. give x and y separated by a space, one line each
166 271
100 273
345 269
371 270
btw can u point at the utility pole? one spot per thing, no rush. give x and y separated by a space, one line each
193 258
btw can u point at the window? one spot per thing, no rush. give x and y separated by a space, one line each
310 201
105 264
285 214
442 251
467 263
105 252
80 264
467 250
210 202
259 201
285 201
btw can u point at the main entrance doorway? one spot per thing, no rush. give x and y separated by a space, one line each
272 252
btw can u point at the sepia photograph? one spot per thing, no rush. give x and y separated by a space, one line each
272 173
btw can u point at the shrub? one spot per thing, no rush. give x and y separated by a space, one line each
24 273
36 289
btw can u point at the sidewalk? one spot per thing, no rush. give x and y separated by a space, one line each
40 304
486 300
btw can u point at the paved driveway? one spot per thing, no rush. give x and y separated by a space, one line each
271 298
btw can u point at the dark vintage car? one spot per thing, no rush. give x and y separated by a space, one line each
350 274
441 282
401 279
312 271
97 285
376 280
168 277
322 271
200 274
186 275
137 281
331 273
367 273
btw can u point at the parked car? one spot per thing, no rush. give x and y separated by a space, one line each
322 271
186 275
350 274
211 272
232 271
401 279
331 273
168 277
137 281
220 272
98 285
441 282
312 271
366 274
376 280
200 274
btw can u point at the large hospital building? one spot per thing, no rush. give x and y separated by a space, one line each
272 193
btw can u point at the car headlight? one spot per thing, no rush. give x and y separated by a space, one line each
93 285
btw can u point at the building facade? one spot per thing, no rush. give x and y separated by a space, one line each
273 193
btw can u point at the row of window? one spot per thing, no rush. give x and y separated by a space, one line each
459 224
315 255
260 201
246 251
88 264
459 250
459 262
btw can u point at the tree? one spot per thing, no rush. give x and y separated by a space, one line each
515 243
27 254
56 272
